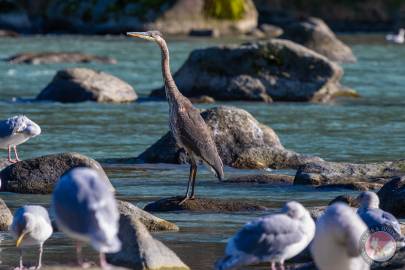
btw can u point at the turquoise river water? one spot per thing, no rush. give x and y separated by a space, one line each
370 128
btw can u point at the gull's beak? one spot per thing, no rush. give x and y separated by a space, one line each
143 35
20 239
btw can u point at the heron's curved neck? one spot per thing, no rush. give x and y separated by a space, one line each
172 93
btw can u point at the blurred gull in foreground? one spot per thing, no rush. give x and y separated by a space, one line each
86 210
274 238
337 241
376 218
31 226
396 38
15 131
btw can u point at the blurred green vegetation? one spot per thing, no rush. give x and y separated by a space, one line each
224 9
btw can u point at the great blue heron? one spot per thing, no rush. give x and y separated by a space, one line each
186 124
16 130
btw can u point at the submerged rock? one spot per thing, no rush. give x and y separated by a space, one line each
8 33
39 175
242 142
141 251
347 199
360 186
6 218
392 197
151 222
277 179
315 34
83 84
201 205
57 57
277 69
321 173
202 99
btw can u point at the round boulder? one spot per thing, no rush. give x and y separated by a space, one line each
39 175
315 34
83 84
274 70
6 218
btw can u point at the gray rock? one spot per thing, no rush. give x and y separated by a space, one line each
315 34
83 84
392 197
277 69
201 205
141 251
57 57
276 179
242 142
202 99
6 218
39 175
321 173
151 222
271 31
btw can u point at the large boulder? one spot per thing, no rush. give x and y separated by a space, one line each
315 34
83 84
6 218
326 173
277 70
151 222
242 142
392 196
57 57
140 251
202 205
274 179
39 175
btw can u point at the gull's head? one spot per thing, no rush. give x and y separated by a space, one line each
32 129
149 35
368 199
294 209
28 222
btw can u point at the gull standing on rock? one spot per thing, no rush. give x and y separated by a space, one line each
274 238
15 131
376 218
31 227
86 210
186 123
337 241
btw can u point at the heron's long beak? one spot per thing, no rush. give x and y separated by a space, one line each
20 239
143 35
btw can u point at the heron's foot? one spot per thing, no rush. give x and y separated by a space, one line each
12 161
85 265
192 197
184 200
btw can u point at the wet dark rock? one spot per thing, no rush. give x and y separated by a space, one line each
57 57
347 199
201 205
277 179
83 84
242 142
151 222
204 33
315 34
321 173
39 175
6 218
141 251
277 70
360 186
202 99
8 33
392 196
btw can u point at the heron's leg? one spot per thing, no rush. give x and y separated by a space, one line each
188 186
103 261
273 266
193 176
80 261
15 152
41 250
282 265
9 155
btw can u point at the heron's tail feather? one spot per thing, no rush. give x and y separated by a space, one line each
227 263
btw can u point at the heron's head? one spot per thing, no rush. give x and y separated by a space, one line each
149 35
368 199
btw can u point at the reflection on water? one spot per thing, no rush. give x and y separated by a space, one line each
368 129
